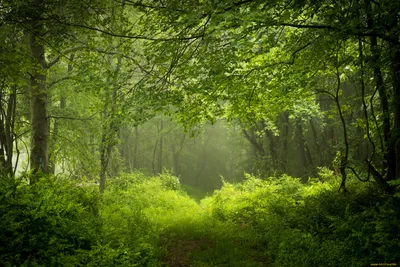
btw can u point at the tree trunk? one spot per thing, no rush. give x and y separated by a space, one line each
176 154
316 143
395 142
285 139
302 149
160 147
110 131
257 146
54 136
176 161
7 133
380 87
272 149
153 162
39 120
136 148
111 125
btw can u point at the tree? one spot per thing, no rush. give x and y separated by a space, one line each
260 56
37 20
12 113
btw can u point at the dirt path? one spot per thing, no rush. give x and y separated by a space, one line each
180 250
183 252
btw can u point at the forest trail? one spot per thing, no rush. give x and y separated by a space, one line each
186 252
180 250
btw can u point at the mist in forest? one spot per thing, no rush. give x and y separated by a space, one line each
201 158
205 156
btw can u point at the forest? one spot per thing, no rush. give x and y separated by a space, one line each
199 133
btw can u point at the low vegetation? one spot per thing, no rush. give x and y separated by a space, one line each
151 221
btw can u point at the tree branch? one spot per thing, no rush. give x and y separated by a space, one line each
69 118
254 142
58 81
68 51
307 26
136 37
358 32
377 176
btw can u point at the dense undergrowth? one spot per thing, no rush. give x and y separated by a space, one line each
144 221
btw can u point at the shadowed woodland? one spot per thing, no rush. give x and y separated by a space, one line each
199 133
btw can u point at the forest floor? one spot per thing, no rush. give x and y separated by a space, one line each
179 251
185 251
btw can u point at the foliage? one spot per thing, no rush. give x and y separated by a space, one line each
45 223
313 224
63 222
66 223
89 84
150 221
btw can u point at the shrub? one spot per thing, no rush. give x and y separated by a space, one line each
313 224
40 223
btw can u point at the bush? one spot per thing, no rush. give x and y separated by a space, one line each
41 223
313 224
59 222
159 201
